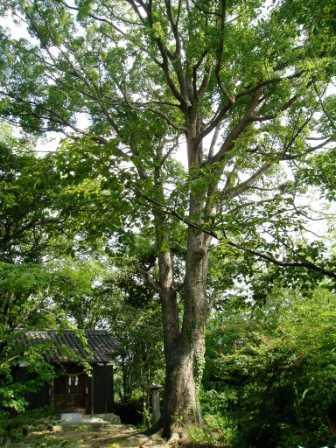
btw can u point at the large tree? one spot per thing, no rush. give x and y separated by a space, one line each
234 85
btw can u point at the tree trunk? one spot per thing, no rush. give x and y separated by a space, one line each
185 358
184 343
185 346
181 402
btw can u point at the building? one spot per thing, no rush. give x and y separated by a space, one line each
83 363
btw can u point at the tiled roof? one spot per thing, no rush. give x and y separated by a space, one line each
95 346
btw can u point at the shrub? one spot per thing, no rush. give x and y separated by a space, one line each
130 412
280 361
216 431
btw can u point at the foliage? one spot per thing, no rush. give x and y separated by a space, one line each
29 223
82 290
23 307
218 402
50 280
15 429
140 357
216 430
29 188
279 362
26 225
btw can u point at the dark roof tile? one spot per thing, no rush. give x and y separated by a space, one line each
66 346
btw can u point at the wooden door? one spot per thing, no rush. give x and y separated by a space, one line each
70 392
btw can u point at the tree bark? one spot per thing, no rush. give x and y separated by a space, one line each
185 353
185 343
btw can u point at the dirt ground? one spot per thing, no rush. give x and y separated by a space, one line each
89 436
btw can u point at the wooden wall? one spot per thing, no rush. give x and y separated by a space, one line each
99 392
103 393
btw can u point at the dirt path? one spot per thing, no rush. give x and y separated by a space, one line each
90 436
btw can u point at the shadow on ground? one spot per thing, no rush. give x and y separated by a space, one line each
89 436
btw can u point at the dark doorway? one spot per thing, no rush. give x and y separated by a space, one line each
70 392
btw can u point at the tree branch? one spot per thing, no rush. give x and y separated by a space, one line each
238 129
305 264
243 186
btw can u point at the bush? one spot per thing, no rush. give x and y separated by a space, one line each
130 412
214 402
280 361
216 431
15 428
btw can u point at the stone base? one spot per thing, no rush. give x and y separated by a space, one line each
77 418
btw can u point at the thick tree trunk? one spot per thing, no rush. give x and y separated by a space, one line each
181 402
185 346
185 357
184 342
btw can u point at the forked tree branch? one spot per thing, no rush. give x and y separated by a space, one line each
245 120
